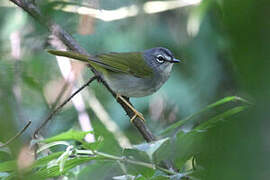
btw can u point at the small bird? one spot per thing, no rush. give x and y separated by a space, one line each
130 74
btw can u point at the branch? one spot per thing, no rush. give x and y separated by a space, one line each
61 105
125 160
134 162
17 135
71 43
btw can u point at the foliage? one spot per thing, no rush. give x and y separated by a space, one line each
142 161
225 49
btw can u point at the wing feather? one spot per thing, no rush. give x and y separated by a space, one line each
131 63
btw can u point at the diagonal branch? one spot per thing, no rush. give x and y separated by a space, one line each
72 44
61 106
17 135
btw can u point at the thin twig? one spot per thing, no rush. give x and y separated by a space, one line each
17 135
61 106
60 94
127 160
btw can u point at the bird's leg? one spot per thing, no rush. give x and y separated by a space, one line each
136 113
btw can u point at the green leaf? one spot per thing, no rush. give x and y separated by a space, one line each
49 145
64 157
159 175
211 122
207 108
145 152
95 145
189 143
4 175
45 160
124 177
100 170
5 153
54 171
6 150
150 148
141 156
140 177
136 154
69 135
8 166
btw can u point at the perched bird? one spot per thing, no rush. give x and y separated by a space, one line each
130 74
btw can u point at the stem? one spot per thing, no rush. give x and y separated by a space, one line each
17 135
61 105
124 159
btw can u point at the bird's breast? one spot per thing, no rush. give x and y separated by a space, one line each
131 86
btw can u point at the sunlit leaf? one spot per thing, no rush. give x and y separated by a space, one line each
124 177
52 144
69 135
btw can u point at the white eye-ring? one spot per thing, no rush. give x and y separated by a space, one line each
160 59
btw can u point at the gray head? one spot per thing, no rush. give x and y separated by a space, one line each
160 59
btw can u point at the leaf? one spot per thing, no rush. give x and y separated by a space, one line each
49 145
178 176
100 170
188 144
54 171
4 175
211 122
8 166
140 177
5 153
45 160
207 108
124 177
136 154
69 135
159 175
150 148
64 157
95 145
141 156
5 149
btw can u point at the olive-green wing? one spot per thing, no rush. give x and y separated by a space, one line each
96 63
131 63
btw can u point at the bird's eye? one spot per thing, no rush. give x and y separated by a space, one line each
160 59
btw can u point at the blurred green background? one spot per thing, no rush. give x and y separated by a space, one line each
225 46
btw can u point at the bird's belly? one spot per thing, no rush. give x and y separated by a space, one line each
131 86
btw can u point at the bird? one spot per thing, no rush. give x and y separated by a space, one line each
130 74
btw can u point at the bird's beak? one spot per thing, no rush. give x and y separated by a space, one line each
174 60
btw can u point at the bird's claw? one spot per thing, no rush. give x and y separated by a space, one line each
136 113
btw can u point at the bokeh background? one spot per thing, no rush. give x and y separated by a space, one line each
225 46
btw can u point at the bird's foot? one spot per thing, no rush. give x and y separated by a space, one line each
136 113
